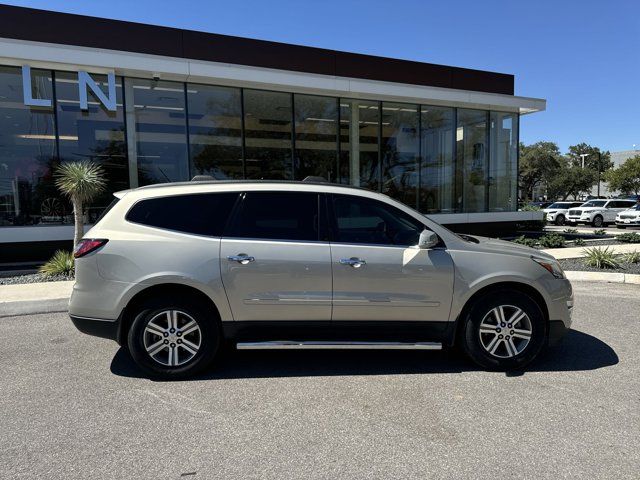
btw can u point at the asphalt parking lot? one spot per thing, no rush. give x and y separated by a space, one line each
74 406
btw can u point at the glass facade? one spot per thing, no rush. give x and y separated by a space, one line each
437 159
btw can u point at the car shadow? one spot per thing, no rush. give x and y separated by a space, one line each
578 351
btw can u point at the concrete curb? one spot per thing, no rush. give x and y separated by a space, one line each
33 307
610 277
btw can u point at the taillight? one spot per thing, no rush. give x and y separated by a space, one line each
88 245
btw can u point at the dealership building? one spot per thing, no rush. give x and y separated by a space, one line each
155 104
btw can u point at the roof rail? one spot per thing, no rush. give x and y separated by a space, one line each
202 178
315 179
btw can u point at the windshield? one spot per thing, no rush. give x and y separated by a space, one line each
595 203
559 205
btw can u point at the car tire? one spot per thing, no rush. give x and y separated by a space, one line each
597 221
185 337
560 220
495 349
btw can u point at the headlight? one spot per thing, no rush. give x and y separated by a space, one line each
550 266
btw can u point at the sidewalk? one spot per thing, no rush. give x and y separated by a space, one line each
577 252
31 298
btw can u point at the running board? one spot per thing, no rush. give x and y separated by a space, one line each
295 345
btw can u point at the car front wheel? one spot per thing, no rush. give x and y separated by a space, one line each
172 340
598 221
504 331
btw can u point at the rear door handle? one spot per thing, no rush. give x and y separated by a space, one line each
354 262
241 258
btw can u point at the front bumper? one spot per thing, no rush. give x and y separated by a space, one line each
627 222
98 327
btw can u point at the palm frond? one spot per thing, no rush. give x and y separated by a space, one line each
82 180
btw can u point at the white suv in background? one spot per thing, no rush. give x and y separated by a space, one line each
557 212
629 218
599 213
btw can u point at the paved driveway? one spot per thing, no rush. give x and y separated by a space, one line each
74 407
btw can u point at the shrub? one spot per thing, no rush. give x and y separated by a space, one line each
552 240
570 230
527 242
599 231
60 264
579 242
601 258
631 257
630 237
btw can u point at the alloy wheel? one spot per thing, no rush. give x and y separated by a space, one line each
172 338
505 331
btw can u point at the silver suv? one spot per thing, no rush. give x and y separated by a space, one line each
172 271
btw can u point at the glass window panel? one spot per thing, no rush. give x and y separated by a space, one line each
471 139
400 152
503 173
215 131
359 123
437 163
267 126
28 153
316 136
161 132
96 135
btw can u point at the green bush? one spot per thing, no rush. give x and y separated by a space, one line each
530 208
527 242
570 230
60 264
631 257
552 240
630 237
601 258
579 242
600 231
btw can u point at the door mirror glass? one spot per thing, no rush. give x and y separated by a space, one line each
428 239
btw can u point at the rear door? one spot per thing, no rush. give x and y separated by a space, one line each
379 274
274 264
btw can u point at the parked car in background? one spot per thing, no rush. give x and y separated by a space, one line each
173 271
557 212
599 213
629 218
540 205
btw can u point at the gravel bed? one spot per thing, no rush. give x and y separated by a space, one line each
577 264
33 278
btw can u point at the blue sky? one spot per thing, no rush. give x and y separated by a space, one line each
582 56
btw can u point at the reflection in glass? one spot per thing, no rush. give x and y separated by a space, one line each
359 123
316 136
161 136
96 134
437 163
471 140
267 126
215 131
28 153
400 152
503 173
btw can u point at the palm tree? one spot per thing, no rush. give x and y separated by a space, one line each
81 182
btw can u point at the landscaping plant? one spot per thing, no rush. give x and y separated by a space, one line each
81 182
600 258
551 240
527 242
570 230
631 257
630 237
600 231
579 242
60 264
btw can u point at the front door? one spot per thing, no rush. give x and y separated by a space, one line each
273 265
379 273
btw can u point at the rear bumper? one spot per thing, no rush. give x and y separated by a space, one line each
98 327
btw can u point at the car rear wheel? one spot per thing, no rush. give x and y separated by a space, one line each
560 220
504 331
598 221
173 340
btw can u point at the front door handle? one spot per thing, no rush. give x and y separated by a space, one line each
241 258
355 262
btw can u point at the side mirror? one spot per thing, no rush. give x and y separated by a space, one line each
427 239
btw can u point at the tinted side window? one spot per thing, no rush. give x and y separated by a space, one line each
200 214
362 220
277 216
